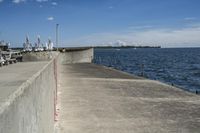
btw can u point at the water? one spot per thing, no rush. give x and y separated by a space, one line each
175 66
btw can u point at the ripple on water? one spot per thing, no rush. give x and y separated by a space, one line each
174 66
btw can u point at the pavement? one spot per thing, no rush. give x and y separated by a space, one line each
97 99
14 75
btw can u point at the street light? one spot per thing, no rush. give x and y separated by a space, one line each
57 25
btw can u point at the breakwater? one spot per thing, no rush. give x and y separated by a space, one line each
28 92
67 90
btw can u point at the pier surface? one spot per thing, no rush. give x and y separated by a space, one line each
96 99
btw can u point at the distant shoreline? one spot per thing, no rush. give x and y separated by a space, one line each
127 47
117 47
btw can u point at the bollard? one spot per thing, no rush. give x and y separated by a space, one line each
142 70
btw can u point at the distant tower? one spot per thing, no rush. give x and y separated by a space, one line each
27 45
49 45
57 25
27 39
39 41
27 42
38 45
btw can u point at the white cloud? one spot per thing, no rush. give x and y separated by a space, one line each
54 3
38 1
50 18
41 0
110 7
1 1
190 18
18 1
141 27
184 37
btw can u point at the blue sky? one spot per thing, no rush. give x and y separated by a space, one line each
170 23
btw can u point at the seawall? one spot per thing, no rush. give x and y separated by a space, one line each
27 97
77 56
67 89
28 91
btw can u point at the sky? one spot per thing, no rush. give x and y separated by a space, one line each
169 23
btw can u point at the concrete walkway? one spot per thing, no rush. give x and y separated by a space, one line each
95 99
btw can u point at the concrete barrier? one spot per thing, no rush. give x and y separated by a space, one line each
38 56
30 108
77 56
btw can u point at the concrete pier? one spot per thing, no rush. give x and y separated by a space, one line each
66 93
96 99
27 97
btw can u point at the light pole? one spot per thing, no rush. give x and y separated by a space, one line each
57 25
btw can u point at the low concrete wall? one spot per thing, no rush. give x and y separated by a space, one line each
38 56
77 56
31 108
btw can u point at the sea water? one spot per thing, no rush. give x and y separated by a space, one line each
176 66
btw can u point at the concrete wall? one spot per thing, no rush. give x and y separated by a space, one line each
77 56
31 108
38 56
70 56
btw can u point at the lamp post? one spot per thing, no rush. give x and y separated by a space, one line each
57 25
